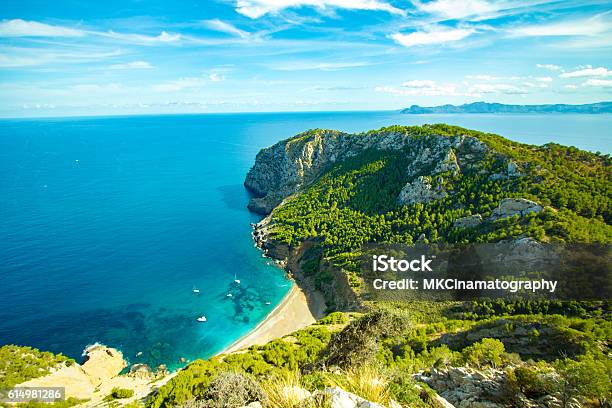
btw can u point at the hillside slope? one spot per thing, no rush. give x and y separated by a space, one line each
431 183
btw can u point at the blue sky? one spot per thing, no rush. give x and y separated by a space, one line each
138 56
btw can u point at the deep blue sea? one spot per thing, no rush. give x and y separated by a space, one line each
107 224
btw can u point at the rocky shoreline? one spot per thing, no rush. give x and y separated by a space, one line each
100 372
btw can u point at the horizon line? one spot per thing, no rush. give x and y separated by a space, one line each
118 115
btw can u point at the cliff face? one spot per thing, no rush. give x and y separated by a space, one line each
293 164
284 168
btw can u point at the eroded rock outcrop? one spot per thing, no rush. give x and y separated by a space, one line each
468 388
81 380
421 191
282 169
509 207
470 221
465 387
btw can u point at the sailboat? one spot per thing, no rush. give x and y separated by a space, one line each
236 281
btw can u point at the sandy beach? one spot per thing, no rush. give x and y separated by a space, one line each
295 312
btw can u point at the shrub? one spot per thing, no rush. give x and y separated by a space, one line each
367 381
404 390
285 391
486 352
358 342
334 318
19 364
588 377
534 381
119 393
234 390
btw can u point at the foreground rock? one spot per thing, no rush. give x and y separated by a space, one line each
464 387
80 381
339 398
94 379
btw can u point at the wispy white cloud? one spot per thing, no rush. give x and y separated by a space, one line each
598 82
132 65
23 28
258 8
593 26
493 86
587 72
492 78
180 84
162 38
457 9
12 57
335 88
535 85
550 67
224 27
420 87
432 36
215 77
320 66
187 83
506 89
97 88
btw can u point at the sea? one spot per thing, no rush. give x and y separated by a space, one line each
124 230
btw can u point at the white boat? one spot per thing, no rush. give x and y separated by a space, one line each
201 319
229 295
236 280
196 290
268 303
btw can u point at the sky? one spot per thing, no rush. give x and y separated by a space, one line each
79 57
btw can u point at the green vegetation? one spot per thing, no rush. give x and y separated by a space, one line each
69 402
355 202
376 355
20 364
120 393
541 348
334 318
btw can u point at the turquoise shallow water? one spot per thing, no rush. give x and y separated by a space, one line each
109 223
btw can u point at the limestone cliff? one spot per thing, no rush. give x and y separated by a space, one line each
287 166
430 165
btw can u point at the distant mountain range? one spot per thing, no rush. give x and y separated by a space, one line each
484 107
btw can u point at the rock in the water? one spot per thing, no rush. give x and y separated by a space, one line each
470 221
420 191
264 205
509 207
